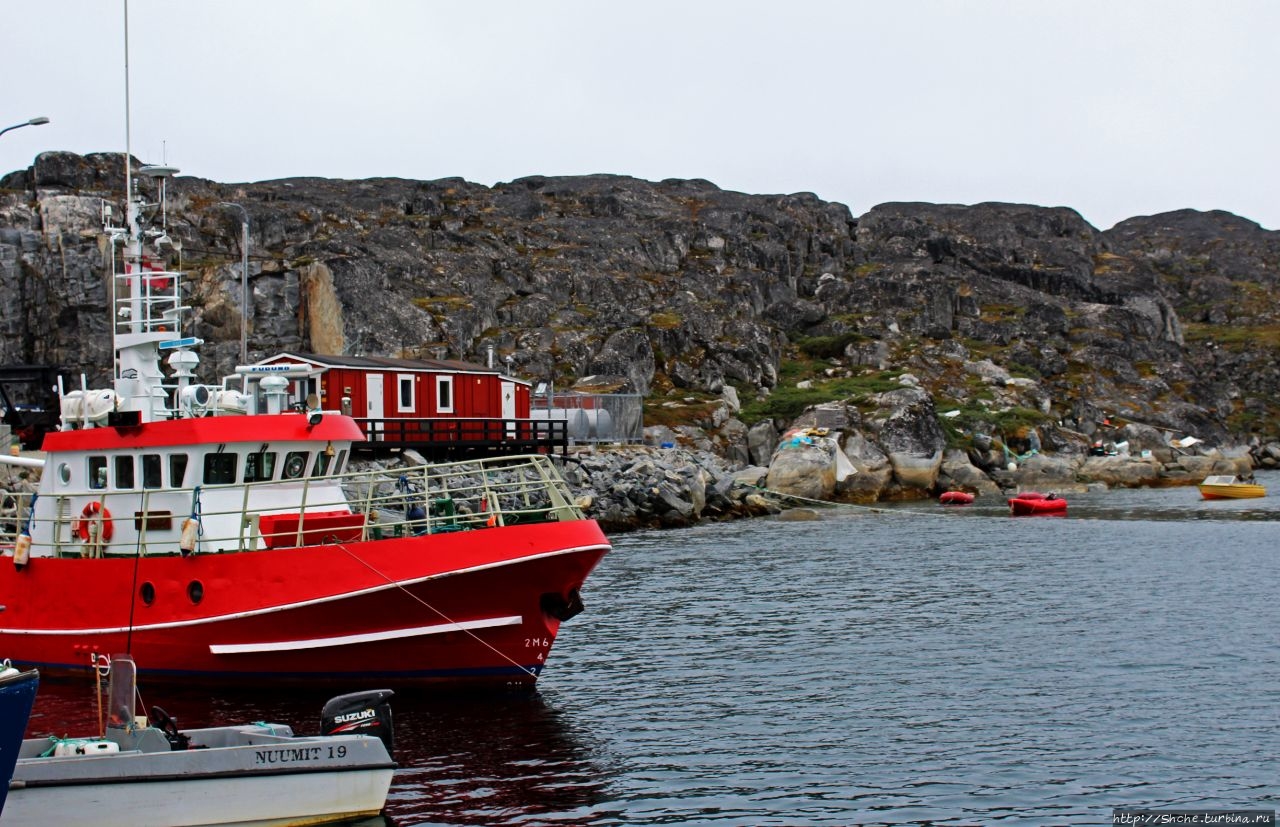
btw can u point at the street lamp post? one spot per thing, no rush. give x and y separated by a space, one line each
244 280
33 122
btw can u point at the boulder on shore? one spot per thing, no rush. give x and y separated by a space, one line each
804 465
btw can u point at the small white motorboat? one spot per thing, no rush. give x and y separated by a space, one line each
145 771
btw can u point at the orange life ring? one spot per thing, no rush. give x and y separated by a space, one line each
94 511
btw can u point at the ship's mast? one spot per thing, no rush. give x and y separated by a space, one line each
146 304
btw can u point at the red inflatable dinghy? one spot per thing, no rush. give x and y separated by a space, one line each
1030 503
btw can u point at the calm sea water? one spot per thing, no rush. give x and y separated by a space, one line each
904 665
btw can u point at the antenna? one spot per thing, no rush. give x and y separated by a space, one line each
163 173
128 145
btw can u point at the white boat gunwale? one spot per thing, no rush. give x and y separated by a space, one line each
479 494
128 774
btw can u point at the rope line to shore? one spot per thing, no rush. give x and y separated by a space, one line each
525 669
874 509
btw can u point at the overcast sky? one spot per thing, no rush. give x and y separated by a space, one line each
1115 108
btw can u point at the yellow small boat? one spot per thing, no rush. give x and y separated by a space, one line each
1228 487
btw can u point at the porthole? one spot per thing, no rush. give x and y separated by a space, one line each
64 473
148 593
195 591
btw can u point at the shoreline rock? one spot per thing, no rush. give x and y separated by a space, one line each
636 487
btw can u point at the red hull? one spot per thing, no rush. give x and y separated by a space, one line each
955 498
1031 503
468 607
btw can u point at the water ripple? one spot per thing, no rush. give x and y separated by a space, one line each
900 666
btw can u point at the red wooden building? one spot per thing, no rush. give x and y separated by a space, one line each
446 407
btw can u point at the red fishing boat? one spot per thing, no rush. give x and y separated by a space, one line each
1033 503
216 531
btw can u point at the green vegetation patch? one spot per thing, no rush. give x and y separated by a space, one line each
1104 263
1234 337
828 347
690 408
787 401
1259 418
992 313
437 304
1022 371
975 417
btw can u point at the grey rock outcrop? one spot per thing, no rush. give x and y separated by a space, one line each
804 466
958 473
1003 314
911 437
663 488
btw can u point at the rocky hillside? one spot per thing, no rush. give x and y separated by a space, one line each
1018 321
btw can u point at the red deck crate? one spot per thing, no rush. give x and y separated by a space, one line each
319 527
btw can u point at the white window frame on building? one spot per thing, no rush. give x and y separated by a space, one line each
405 396
444 394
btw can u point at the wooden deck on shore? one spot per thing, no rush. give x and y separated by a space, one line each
453 439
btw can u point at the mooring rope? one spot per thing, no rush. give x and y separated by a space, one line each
526 670
874 509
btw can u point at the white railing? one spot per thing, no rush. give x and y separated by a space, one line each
351 507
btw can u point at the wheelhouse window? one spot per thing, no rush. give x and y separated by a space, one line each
97 472
295 463
404 382
220 469
305 388
124 473
444 394
177 469
152 471
259 466
322 464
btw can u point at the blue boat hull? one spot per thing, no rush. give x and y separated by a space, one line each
17 694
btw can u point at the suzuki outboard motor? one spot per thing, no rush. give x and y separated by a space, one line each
360 713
